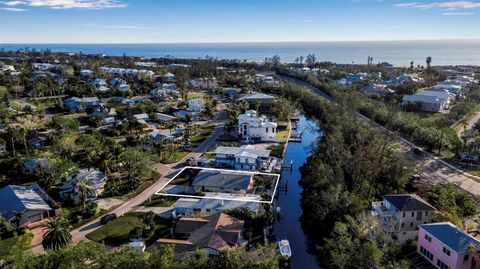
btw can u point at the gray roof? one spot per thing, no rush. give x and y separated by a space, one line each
257 96
408 202
222 179
15 198
451 236
215 204
237 151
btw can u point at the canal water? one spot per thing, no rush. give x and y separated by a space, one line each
289 227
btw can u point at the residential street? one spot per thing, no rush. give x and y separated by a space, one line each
167 171
434 169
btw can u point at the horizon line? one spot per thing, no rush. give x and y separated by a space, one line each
234 42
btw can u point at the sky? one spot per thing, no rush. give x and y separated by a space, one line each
206 21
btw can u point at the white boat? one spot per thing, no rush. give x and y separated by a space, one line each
284 248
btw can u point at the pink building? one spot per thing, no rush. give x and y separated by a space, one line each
448 247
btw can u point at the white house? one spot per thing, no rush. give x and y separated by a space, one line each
378 90
86 73
196 105
96 183
7 68
429 101
252 127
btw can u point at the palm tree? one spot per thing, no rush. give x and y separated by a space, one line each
473 251
429 61
83 189
58 234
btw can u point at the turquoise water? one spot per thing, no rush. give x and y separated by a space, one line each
398 53
289 226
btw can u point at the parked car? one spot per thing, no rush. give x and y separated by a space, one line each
107 218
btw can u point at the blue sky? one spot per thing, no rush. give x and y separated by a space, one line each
191 21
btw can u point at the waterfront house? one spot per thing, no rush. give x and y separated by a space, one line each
95 181
252 127
31 202
401 214
222 181
446 246
213 234
246 157
207 207
196 105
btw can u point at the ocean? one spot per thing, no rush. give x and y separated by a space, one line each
398 53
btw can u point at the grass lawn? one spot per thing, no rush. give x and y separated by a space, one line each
277 150
160 201
117 232
6 245
176 156
193 95
209 155
71 213
282 135
202 132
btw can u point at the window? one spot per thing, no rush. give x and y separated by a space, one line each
446 251
426 253
442 265
426 213
413 214
266 129
403 224
428 238
403 214
411 224
465 258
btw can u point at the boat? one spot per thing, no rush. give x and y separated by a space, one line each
278 210
284 248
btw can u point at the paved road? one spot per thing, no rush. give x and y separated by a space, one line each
167 172
468 125
434 169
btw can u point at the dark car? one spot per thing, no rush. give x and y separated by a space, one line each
417 151
107 218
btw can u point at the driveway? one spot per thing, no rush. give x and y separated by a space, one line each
435 170
167 172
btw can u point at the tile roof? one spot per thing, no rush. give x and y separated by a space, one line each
219 231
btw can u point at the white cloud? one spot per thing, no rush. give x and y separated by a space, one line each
14 3
69 4
458 13
14 9
452 5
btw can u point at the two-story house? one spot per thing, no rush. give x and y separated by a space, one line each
252 127
446 246
246 157
401 214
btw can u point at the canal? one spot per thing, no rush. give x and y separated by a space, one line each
289 227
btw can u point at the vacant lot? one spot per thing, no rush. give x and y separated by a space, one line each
117 232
